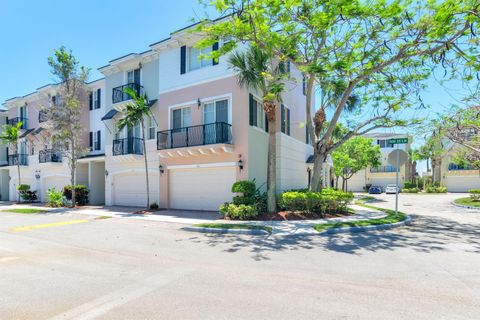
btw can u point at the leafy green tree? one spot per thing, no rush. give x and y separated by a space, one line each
354 155
10 135
384 51
65 114
136 112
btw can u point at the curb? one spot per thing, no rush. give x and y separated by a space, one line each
254 232
465 207
407 221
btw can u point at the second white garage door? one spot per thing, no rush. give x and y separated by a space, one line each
129 189
201 188
462 183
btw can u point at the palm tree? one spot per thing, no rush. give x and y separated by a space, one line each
258 71
11 136
134 113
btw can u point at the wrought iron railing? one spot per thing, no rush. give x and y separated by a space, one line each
127 146
49 155
212 133
14 121
42 116
383 169
119 94
15 159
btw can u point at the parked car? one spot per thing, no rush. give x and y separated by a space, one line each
391 188
375 190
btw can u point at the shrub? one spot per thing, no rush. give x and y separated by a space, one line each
26 194
260 201
154 206
434 189
367 187
409 185
55 198
328 200
474 194
81 194
410 190
238 200
23 187
238 212
246 187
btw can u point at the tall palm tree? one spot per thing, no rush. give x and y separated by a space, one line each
134 113
257 70
11 136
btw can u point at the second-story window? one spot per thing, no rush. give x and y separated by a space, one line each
194 60
215 111
151 128
257 114
181 118
285 120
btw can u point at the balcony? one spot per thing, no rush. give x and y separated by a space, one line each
218 133
14 121
383 169
42 116
128 146
18 159
459 167
119 95
45 156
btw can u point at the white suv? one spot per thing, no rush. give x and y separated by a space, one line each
391 188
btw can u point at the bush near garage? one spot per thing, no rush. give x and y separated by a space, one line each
238 212
411 190
55 198
247 204
323 202
26 194
474 194
81 194
434 189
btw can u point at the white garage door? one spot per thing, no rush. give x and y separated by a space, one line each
356 183
201 188
462 183
130 189
53 182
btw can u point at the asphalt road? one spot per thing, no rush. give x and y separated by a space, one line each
130 269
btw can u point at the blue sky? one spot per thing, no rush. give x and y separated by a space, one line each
101 30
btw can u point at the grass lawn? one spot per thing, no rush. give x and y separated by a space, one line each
25 210
390 218
232 226
467 202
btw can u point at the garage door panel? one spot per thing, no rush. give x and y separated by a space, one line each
462 183
201 188
130 189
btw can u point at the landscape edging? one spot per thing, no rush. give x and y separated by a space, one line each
407 221
463 206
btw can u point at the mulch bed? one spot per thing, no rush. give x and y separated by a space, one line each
289 215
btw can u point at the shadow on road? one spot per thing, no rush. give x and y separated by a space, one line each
425 234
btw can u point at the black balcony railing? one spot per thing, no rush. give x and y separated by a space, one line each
15 159
383 169
459 167
14 121
119 94
212 133
43 116
127 146
45 156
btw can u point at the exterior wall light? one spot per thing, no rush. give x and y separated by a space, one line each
199 103
106 173
37 174
160 168
240 162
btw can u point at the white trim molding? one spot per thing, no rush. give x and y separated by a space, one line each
202 165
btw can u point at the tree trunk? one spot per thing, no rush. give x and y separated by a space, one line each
343 184
272 168
73 167
319 159
146 163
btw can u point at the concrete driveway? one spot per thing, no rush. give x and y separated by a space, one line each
135 269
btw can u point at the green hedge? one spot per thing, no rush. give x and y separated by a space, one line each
246 187
238 212
433 189
410 190
328 200
474 194
81 194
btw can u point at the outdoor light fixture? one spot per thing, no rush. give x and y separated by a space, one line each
37 174
240 162
199 103
160 167
106 173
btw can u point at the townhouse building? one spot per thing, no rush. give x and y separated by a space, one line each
42 164
385 173
457 178
205 132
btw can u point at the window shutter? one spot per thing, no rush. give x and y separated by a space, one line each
90 100
283 118
250 109
99 92
215 48
91 140
266 123
307 136
98 146
183 59
288 121
304 86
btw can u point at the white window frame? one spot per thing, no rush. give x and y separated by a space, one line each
125 75
95 99
203 62
214 102
182 116
151 125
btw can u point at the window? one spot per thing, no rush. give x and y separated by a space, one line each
215 111
151 128
96 98
194 60
56 100
257 114
181 118
384 144
97 140
285 120
133 76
